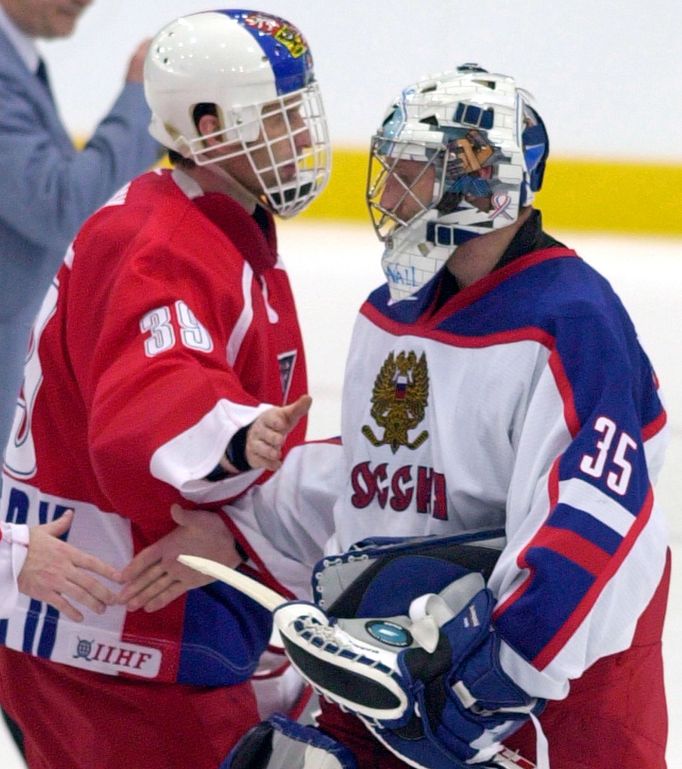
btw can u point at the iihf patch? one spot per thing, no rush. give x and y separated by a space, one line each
287 363
105 653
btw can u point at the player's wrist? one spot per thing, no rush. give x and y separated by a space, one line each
234 459
235 453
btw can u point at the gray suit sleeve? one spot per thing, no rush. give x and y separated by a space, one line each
47 187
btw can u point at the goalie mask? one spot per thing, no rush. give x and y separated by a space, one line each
255 73
457 156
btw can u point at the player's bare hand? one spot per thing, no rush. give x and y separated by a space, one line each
59 574
135 73
268 432
155 578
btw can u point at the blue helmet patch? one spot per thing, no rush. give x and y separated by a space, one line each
284 46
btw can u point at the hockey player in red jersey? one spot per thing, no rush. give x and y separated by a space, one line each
165 352
494 383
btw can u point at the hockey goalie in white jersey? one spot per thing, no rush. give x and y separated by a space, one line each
494 383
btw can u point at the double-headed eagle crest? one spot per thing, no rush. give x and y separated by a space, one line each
399 399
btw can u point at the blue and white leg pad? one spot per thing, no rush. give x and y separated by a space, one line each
280 743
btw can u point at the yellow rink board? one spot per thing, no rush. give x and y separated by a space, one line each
590 195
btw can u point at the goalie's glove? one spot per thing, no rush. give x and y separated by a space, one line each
464 705
421 670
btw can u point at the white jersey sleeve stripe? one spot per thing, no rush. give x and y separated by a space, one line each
234 343
583 496
185 460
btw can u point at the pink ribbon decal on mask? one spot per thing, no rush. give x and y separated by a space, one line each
501 202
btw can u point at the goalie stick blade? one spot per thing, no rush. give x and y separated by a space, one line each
261 594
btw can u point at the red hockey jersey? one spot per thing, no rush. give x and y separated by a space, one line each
170 326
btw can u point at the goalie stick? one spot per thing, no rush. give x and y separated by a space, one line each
334 661
258 592
309 640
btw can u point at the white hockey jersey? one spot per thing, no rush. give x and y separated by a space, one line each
525 402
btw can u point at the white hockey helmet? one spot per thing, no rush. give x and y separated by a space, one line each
253 68
457 156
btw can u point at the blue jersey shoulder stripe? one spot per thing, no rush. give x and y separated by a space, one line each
418 309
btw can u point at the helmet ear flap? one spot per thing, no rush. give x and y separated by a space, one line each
535 143
245 123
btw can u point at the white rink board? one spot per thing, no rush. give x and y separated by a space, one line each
333 267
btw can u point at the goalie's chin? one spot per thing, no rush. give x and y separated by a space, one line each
338 666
